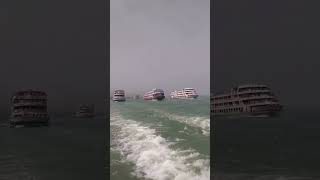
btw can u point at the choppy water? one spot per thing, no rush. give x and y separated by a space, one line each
286 147
160 140
70 148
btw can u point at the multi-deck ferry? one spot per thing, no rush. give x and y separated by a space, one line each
154 94
119 95
249 100
186 93
85 111
29 108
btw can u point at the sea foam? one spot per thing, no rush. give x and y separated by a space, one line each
153 156
194 121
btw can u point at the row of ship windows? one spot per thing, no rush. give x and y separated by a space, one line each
30 94
221 98
30 107
31 115
29 100
227 104
244 102
242 96
228 110
254 94
252 88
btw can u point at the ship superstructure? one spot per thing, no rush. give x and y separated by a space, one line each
154 94
29 108
119 95
185 93
249 99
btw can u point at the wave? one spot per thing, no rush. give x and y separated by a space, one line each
153 156
194 121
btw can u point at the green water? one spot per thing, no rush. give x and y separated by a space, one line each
160 139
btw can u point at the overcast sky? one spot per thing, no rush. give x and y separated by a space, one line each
58 46
163 44
270 42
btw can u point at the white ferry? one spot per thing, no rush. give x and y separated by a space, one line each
154 94
119 96
249 100
85 111
186 93
29 108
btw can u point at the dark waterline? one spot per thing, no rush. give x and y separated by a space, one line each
283 146
70 148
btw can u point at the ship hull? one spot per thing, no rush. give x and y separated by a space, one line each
26 121
158 97
247 114
119 99
155 98
185 97
259 111
262 114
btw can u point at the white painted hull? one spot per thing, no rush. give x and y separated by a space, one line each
119 99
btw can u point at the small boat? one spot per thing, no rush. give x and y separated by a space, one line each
85 111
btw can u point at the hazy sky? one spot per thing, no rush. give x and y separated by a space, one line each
58 46
160 43
271 42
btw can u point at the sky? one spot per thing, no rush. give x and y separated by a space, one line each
160 44
269 42
58 46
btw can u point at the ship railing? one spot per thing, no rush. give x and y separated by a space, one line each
28 97
254 91
261 103
38 115
29 114
30 110
226 100
256 97
226 107
30 104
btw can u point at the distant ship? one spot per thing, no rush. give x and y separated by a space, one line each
119 95
186 93
85 111
29 108
249 100
136 97
154 94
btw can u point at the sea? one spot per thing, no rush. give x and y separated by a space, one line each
285 147
160 140
70 148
